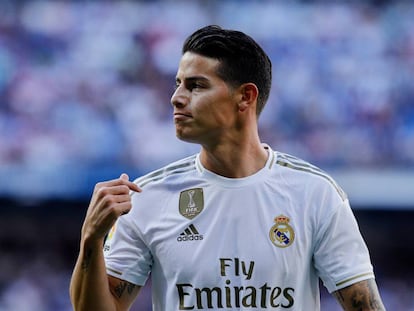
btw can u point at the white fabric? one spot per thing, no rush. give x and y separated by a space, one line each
224 257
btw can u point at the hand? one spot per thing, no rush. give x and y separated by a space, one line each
110 200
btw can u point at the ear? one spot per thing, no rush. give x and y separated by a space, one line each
249 93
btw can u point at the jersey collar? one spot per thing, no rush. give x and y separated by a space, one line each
237 182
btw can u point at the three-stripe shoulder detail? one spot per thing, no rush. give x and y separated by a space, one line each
295 163
182 166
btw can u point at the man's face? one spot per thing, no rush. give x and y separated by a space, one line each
205 107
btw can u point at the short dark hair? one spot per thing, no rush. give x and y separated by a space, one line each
241 58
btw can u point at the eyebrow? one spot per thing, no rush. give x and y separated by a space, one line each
192 79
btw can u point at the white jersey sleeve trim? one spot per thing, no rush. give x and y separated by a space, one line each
355 279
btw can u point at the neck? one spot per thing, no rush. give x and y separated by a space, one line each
234 160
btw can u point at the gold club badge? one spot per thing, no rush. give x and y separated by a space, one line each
191 202
281 234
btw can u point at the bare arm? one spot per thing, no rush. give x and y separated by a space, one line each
361 296
91 288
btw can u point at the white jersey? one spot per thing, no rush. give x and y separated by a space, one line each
254 243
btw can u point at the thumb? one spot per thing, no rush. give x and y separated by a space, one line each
124 176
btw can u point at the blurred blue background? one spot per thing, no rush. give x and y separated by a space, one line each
84 96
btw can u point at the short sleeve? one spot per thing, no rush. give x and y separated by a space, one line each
341 256
126 255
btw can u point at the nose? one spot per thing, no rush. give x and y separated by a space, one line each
178 98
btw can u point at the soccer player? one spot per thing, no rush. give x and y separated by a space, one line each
237 226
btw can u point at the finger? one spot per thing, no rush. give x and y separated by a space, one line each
110 191
127 186
131 185
118 199
99 220
124 176
113 206
120 209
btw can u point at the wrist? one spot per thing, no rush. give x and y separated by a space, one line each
89 241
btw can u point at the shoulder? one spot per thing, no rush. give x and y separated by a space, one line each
177 168
304 172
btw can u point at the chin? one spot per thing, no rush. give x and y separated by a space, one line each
187 138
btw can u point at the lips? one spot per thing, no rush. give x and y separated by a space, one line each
181 116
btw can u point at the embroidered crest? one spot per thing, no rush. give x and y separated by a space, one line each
281 233
191 202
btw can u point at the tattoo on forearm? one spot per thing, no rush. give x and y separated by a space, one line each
86 259
361 296
358 299
119 290
374 299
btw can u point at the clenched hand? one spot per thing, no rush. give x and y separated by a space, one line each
110 200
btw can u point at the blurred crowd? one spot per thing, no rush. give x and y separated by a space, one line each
85 85
85 92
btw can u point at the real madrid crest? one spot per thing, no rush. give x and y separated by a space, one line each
191 202
281 233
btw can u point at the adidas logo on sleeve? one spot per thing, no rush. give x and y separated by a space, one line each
190 234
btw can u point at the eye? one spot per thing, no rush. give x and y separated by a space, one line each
176 85
195 86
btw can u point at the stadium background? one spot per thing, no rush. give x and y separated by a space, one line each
84 96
